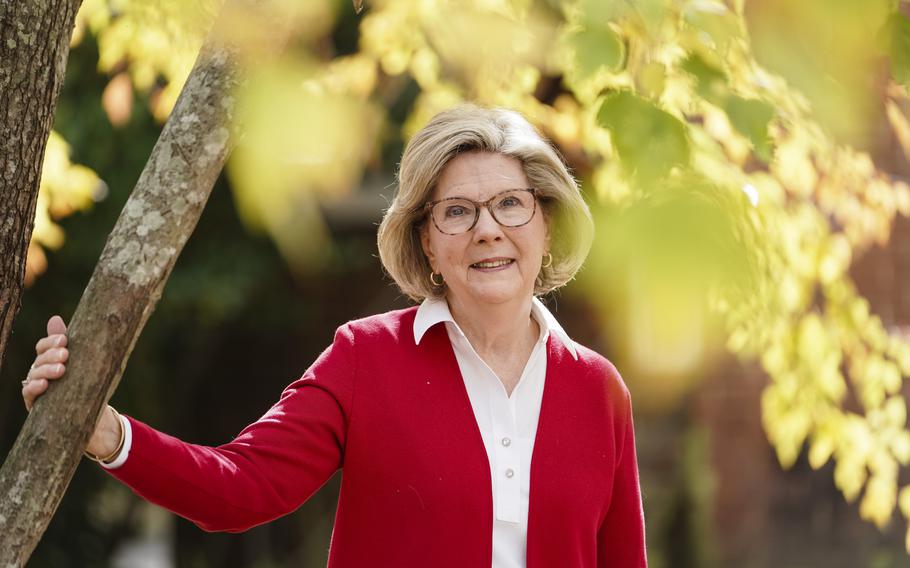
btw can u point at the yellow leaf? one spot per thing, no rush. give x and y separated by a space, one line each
879 500
820 451
891 378
849 476
900 447
792 292
902 355
899 125
793 167
610 183
859 311
117 99
830 380
896 411
835 259
902 197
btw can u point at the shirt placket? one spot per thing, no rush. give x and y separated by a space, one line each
507 463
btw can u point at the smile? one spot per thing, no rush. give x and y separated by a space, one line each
488 264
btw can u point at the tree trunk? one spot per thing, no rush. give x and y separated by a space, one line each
136 261
34 46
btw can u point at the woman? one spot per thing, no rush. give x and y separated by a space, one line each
433 412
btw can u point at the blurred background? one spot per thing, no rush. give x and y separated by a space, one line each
746 164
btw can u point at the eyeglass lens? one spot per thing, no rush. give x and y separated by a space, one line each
510 208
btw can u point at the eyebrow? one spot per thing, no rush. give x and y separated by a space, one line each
497 192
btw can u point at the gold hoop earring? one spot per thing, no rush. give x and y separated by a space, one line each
433 280
548 262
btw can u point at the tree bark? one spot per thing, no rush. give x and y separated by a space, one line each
34 46
137 259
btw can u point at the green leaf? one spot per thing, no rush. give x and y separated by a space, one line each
711 81
751 117
603 11
649 140
596 47
714 22
899 28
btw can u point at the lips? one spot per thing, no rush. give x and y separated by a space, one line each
493 263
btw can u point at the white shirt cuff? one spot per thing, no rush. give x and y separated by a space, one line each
127 443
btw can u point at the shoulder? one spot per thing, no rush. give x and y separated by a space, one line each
358 341
389 326
598 372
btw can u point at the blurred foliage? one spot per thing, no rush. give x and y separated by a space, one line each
65 188
726 148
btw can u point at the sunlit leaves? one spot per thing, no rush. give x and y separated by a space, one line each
117 99
262 29
151 40
786 418
596 48
649 140
879 499
898 35
751 117
899 125
652 267
834 260
715 24
522 38
826 50
306 134
392 34
65 188
710 82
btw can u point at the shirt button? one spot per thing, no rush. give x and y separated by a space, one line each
510 473
506 442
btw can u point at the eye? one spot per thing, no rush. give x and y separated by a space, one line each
456 211
509 201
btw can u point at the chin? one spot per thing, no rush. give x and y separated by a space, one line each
497 294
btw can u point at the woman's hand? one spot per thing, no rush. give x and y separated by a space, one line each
49 366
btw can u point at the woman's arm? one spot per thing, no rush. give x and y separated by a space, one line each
621 537
269 469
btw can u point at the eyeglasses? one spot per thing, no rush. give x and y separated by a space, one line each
509 208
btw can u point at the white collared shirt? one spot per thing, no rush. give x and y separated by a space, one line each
507 424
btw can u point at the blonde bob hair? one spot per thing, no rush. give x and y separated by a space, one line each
470 128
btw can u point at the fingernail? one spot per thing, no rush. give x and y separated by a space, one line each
58 368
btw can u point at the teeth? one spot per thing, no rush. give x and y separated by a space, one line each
492 264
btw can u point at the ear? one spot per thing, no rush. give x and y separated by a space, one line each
425 244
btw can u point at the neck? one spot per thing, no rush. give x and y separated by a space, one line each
498 328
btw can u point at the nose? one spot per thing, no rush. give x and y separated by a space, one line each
486 229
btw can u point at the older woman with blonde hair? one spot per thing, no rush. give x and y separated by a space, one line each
471 430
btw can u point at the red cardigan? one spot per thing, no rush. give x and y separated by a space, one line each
416 488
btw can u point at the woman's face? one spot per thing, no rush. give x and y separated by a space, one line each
517 251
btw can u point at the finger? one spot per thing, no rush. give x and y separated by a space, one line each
32 391
55 355
55 325
45 343
49 371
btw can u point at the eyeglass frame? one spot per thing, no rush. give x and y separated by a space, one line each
427 208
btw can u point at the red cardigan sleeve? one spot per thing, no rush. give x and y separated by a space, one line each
269 469
621 537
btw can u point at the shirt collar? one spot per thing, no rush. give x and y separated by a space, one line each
436 310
